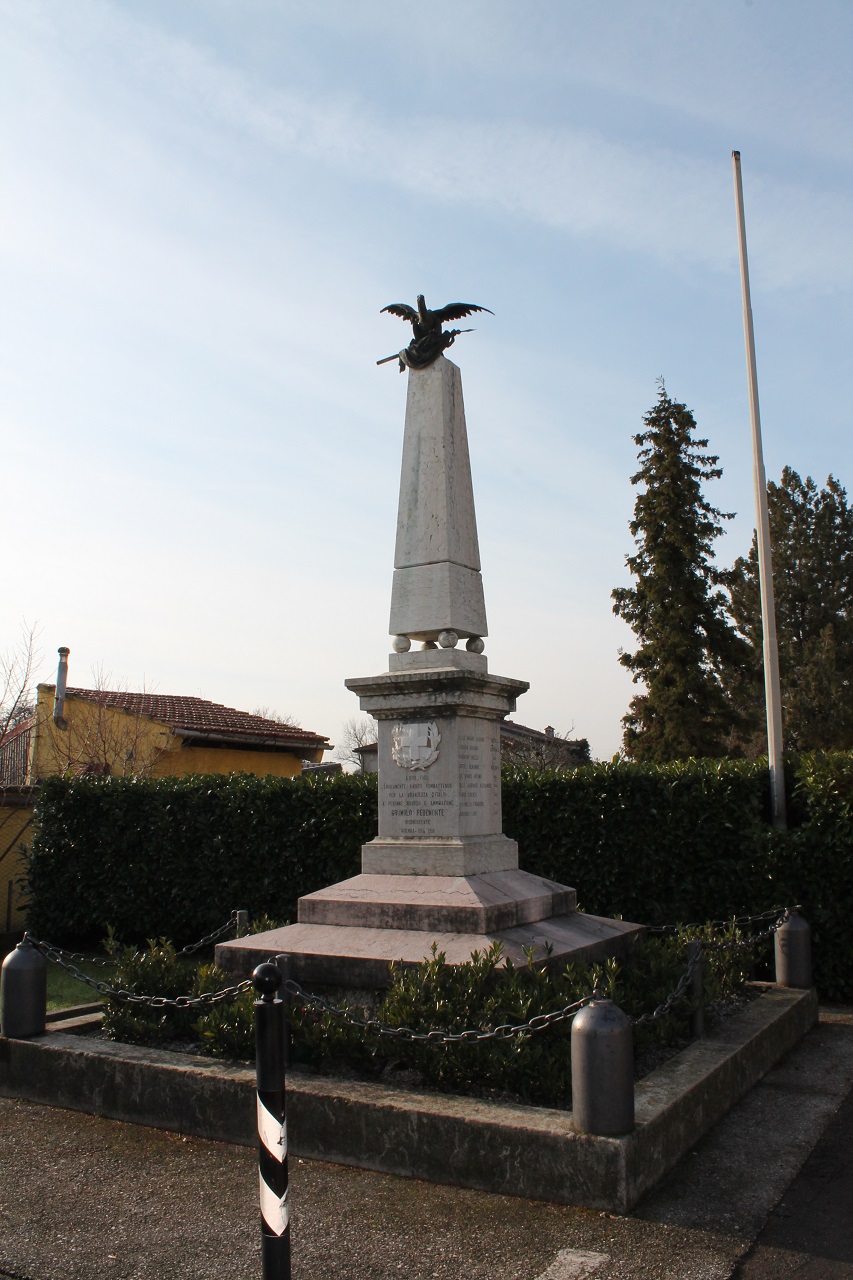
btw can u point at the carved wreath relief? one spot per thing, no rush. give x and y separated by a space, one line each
415 746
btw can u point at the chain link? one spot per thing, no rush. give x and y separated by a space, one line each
474 1035
725 944
108 962
130 997
772 913
676 995
230 924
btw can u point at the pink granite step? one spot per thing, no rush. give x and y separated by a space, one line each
333 955
446 904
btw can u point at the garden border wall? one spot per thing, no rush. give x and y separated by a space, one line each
490 1146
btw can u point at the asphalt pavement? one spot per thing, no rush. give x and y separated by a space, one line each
768 1193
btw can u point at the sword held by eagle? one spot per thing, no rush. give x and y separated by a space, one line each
429 339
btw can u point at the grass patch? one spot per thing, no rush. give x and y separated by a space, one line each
65 991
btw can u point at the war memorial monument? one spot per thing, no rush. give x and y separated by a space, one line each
440 871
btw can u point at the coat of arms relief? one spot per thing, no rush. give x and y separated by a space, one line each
415 746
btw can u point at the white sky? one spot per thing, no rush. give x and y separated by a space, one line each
205 204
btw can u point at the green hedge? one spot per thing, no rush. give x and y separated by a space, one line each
172 856
652 843
657 844
693 841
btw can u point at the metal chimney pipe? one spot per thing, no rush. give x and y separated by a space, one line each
61 685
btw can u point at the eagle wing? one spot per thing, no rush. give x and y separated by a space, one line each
457 311
403 310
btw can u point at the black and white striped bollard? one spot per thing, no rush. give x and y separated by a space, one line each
272 1125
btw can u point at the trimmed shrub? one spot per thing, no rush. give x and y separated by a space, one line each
172 856
657 844
652 843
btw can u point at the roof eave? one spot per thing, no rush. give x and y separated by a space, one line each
202 737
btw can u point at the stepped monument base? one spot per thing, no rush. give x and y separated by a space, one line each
440 873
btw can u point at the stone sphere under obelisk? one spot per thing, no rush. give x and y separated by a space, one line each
440 872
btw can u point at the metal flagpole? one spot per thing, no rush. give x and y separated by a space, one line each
772 694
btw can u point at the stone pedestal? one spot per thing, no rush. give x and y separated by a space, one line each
440 872
439 766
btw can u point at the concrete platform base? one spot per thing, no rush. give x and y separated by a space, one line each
449 904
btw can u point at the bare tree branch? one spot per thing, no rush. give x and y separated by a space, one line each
358 731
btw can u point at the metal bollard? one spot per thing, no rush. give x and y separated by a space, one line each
23 992
602 1070
272 1124
793 946
697 988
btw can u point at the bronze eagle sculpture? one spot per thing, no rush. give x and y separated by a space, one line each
429 339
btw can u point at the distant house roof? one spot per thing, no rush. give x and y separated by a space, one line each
515 738
196 718
523 745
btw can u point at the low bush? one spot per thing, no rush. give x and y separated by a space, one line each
155 970
533 1066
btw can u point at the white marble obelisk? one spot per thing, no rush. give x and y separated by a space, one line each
440 871
437 582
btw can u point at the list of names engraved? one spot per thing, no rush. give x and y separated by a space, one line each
479 771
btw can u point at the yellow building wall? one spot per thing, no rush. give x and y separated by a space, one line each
102 739
94 739
15 830
184 759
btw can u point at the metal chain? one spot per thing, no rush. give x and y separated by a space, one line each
103 962
733 944
230 924
504 1031
111 961
474 1035
130 997
739 944
674 996
770 914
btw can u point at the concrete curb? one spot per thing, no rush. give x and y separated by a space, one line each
517 1150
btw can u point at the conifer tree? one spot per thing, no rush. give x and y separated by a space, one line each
811 539
677 608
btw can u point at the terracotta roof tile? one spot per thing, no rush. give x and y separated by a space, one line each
197 715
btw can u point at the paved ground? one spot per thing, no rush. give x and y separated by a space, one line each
83 1198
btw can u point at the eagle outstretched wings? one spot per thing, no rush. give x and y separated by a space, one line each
429 339
453 311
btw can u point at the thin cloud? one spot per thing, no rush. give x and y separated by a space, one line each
637 198
631 197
